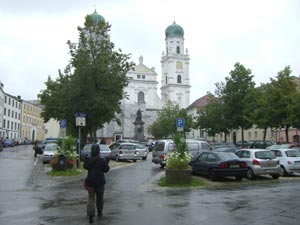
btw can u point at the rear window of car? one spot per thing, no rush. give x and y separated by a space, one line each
104 148
224 156
140 146
292 153
264 155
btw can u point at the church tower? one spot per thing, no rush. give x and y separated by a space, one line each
175 82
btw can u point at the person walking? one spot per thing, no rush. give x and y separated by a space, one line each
95 181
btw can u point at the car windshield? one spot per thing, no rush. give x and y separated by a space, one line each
51 147
264 155
292 153
224 156
104 148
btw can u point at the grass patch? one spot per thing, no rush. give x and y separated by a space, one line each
196 182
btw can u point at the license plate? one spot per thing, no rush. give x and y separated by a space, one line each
234 166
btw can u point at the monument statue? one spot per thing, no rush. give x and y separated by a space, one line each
138 115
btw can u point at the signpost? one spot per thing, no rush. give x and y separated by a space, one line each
180 124
80 122
63 131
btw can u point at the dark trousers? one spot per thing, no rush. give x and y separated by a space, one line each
95 194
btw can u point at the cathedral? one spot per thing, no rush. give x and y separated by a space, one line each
141 106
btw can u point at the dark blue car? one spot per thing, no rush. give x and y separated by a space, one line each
9 143
219 164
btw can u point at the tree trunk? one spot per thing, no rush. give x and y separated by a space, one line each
287 133
265 133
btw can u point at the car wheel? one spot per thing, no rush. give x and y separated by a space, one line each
238 178
250 174
144 158
275 176
134 160
212 175
162 166
283 171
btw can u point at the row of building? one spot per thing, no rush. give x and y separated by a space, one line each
20 120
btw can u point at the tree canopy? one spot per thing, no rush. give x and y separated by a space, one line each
165 124
92 83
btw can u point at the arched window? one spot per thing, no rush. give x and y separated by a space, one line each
179 79
141 97
178 49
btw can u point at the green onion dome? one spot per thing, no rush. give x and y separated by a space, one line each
97 18
174 30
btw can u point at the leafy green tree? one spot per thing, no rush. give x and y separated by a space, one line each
283 97
234 94
211 118
165 124
92 83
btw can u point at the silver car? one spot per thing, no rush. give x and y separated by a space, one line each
163 147
260 162
289 160
104 151
123 151
48 152
142 151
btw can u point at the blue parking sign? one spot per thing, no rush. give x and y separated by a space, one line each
180 122
63 123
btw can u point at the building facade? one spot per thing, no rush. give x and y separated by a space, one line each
32 124
2 132
12 116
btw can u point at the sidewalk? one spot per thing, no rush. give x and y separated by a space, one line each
40 179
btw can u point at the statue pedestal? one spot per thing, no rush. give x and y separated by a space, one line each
139 130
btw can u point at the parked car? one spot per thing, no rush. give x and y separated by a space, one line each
123 151
289 160
142 151
105 151
39 146
227 149
260 162
8 143
242 144
163 147
219 164
284 146
259 144
48 152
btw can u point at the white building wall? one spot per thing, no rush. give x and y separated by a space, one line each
52 129
12 116
2 132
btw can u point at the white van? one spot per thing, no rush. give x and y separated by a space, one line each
163 147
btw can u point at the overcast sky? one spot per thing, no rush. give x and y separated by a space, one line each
263 35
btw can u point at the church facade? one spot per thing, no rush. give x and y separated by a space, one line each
141 102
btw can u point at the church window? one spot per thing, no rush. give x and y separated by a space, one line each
179 79
141 97
138 76
179 65
143 76
178 49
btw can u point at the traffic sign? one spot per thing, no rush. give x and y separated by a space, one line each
179 122
63 123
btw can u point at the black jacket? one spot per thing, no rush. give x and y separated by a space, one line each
96 167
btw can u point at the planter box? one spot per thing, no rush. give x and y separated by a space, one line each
174 176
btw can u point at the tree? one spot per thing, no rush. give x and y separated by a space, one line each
92 83
211 118
234 93
283 97
165 124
